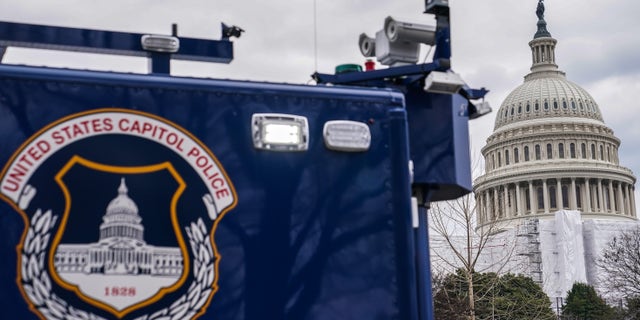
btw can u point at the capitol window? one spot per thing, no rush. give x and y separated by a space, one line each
537 106
546 105
552 197
549 151
516 155
528 107
572 150
526 153
538 152
555 104
561 150
564 104
583 148
506 157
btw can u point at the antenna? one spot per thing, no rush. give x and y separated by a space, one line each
315 35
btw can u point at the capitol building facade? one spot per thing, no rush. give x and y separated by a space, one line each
553 180
551 150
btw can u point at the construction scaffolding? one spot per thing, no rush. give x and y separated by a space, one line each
530 233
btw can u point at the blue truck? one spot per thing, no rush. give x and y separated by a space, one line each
148 196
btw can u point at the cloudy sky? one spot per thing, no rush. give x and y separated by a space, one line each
598 43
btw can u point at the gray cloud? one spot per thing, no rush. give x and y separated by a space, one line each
598 43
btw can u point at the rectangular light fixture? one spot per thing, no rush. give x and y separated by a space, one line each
160 43
345 135
443 82
280 132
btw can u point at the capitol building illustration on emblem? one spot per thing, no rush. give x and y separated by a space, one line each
552 178
120 257
121 248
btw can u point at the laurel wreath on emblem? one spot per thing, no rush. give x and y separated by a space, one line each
37 284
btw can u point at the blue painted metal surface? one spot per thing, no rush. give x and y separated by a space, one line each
438 134
439 140
314 235
423 264
109 42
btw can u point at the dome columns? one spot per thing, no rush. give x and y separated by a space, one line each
534 204
600 197
506 202
545 192
540 197
559 195
543 54
496 205
518 200
587 190
573 198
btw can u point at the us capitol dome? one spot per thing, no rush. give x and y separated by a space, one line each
551 150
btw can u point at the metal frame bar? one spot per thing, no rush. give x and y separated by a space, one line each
110 42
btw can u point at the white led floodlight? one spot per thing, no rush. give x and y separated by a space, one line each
280 132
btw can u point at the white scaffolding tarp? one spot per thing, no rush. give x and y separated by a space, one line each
568 252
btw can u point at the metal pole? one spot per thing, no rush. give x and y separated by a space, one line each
423 255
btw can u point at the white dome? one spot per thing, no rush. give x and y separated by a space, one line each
547 97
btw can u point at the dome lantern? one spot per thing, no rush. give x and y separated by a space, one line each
543 49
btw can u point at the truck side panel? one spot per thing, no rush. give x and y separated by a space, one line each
315 234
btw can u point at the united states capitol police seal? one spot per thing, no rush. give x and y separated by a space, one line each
120 208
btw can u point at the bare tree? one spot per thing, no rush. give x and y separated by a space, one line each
454 224
621 262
